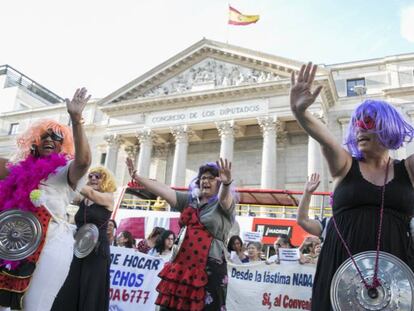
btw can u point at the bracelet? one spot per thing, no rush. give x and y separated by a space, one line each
77 122
228 184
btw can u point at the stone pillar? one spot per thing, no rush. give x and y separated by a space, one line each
268 126
160 162
226 132
113 144
180 134
343 122
145 148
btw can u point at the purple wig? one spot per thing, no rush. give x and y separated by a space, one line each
194 186
389 125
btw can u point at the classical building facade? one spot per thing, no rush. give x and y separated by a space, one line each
215 99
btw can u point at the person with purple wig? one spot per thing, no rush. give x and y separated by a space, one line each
373 196
196 277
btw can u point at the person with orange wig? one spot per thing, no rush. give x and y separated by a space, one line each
42 179
95 207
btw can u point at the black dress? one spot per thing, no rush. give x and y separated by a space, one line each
87 286
357 211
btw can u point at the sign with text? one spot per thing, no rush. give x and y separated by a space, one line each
289 255
269 287
133 279
271 228
250 236
208 113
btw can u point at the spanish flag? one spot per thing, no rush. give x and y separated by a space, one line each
237 18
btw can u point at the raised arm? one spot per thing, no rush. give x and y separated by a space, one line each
301 98
225 196
309 225
82 160
155 187
102 198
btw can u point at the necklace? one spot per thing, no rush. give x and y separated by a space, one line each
372 288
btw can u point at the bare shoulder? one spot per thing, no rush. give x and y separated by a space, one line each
343 171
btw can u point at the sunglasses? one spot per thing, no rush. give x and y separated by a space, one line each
367 124
53 135
96 175
209 178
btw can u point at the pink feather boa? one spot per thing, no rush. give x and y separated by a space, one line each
24 177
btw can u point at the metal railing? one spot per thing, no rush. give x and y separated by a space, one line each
253 210
16 78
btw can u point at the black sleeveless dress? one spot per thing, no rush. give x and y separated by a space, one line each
357 211
87 286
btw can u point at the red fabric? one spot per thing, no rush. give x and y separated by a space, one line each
183 281
19 284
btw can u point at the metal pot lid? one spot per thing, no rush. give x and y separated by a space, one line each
20 234
395 293
178 243
86 239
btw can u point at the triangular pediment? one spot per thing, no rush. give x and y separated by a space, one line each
205 66
211 74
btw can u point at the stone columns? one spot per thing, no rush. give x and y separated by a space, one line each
226 132
160 162
180 134
113 144
268 126
145 148
344 121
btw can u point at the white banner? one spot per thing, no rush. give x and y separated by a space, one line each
269 287
134 277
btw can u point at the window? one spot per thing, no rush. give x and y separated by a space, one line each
103 158
350 86
14 127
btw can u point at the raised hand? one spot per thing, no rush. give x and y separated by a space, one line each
77 104
312 183
224 171
301 96
131 167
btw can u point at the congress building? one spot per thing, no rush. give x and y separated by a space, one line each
214 99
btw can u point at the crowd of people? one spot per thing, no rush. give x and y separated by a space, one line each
372 197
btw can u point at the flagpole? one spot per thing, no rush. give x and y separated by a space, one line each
228 25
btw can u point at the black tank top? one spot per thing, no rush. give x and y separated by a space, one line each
354 191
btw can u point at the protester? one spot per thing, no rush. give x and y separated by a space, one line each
254 250
125 239
373 193
50 163
207 212
164 246
79 292
310 249
282 241
145 245
236 249
111 232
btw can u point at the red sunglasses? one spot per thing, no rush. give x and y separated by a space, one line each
367 124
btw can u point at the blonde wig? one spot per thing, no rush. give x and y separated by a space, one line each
108 180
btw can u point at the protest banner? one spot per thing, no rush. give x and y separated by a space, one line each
269 287
133 279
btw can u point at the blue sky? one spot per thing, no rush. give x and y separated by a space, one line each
104 44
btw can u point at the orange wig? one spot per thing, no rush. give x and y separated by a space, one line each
33 134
